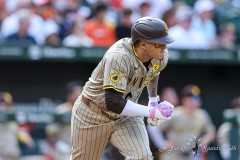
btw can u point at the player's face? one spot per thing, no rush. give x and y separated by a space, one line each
156 51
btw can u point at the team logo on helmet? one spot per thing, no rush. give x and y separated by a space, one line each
166 29
114 77
155 67
195 90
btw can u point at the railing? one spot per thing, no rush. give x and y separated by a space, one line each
66 54
33 116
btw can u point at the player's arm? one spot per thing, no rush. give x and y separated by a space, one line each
114 100
209 130
152 91
116 103
153 98
152 87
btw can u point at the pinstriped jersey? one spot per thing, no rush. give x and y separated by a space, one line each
121 70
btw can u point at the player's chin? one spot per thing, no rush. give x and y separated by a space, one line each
160 57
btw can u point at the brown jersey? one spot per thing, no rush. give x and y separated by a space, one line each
121 70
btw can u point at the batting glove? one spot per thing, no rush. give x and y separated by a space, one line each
162 112
153 102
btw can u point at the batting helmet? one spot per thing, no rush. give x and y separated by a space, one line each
150 29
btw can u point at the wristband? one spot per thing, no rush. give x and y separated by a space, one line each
154 99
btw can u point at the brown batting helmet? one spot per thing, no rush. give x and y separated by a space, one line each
150 29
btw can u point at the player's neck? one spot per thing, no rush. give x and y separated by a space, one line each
141 55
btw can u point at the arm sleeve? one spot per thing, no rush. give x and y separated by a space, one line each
114 101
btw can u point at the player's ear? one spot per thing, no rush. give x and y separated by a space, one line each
143 45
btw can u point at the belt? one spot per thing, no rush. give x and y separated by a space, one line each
85 101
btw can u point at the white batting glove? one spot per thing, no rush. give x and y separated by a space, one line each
162 112
153 122
153 102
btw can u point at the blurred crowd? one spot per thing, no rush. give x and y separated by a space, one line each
21 140
176 138
201 24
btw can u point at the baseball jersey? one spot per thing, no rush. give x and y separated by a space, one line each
182 129
121 70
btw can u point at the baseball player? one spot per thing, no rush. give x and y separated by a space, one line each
107 110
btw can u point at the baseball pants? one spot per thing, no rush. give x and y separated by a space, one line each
91 130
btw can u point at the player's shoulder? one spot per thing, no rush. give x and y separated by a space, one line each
120 50
123 45
203 112
179 110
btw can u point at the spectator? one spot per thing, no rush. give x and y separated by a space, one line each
152 7
10 24
84 9
3 14
51 30
186 37
228 12
143 10
223 134
158 10
67 12
78 36
22 36
43 8
102 33
133 4
188 122
123 28
227 36
203 20
169 16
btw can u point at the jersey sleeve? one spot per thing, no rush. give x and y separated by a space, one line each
116 72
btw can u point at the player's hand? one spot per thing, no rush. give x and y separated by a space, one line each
162 112
153 102
153 122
